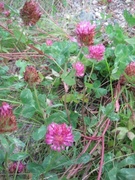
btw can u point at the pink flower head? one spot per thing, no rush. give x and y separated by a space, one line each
6 13
97 51
85 33
7 119
5 110
19 166
79 68
59 136
1 7
49 42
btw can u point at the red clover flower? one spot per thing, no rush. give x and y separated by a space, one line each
49 42
85 33
6 13
79 68
7 119
31 75
1 7
30 13
59 136
19 166
129 73
97 52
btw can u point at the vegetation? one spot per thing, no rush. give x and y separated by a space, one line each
67 97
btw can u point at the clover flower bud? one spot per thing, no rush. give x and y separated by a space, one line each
31 75
129 74
59 136
16 166
7 119
97 52
85 33
49 42
6 13
1 7
30 13
79 68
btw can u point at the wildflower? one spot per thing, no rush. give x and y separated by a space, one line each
59 136
79 68
85 33
7 119
129 73
31 75
1 7
16 166
97 52
30 13
6 13
49 42
72 39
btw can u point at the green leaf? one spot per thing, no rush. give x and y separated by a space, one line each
2 156
129 18
39 133
85 158
3 70
49 161
16 141
133 144
74 116
4 142
28 111
108 109
112 173
26 97
121 50
51 176
130 41
35 169
20 36
77 136
114 116
69 77
99 92
18 85
126 174
121 132
22 65
18 156
109 112
130 160
58 117
42 99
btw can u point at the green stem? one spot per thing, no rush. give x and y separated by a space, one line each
65 104
20 36
52 161
111 87
14 102
6 166
91 70
79 53
36 98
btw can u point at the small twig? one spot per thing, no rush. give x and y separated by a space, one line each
102 151
7 29
102 159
